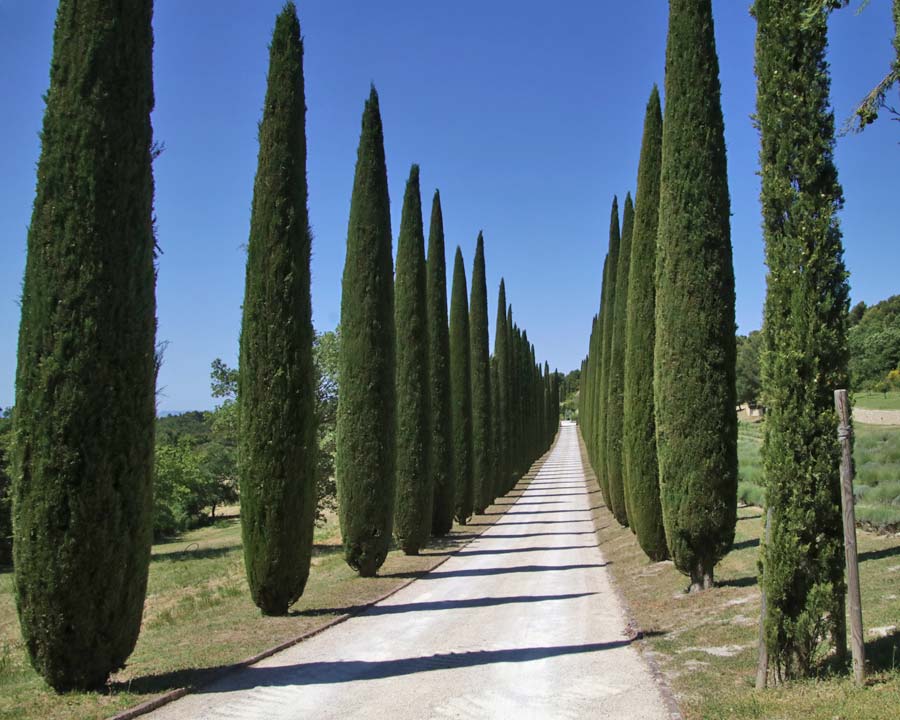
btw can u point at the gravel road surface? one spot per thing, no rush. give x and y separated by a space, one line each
521 623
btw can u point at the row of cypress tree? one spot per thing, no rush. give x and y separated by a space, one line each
430 427
85 384
666 454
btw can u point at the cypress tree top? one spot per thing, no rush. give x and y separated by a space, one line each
276 383
365 461
696 425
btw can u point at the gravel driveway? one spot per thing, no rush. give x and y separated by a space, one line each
521 623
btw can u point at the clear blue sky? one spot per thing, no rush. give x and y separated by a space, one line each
527 115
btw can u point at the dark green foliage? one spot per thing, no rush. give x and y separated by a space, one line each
616 372
496 425
874 342
640 467
85 384
276 385
5 486
694 355
365 460
501 387
444 480
412 514
604 351
747 382
805 353
461 391
479 347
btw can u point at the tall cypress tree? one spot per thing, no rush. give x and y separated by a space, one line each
805 335
276 386
365 461
616 381
482 464
640 466
501 424
461 391
85 382
444 494
607 313
412 513
496 426
694 354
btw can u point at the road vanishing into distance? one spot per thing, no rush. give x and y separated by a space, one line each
521 623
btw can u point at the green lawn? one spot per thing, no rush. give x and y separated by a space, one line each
877 486
198 616
877 400
705 644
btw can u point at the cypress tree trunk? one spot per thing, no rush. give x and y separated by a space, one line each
694 356
444 480
85 382
461 391
639 462
276 386
607 313
805 335
614 398
412 514
481 384
365 461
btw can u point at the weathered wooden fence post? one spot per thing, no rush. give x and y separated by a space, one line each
845 430
762 668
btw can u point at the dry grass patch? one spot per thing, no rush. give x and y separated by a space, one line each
705 644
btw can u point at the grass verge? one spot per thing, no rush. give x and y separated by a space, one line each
877 400
199 619
705 644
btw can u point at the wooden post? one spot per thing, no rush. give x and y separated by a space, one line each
845 430
762 667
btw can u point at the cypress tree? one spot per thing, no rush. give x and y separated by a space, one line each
639 462
607 313
496 425
501 424
85 382
616 381
444 504
412 513
481 384
805 334
276 386
694 354
365 459
461 391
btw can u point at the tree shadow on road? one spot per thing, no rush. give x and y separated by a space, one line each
373 610
341 671
481 572
508 551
